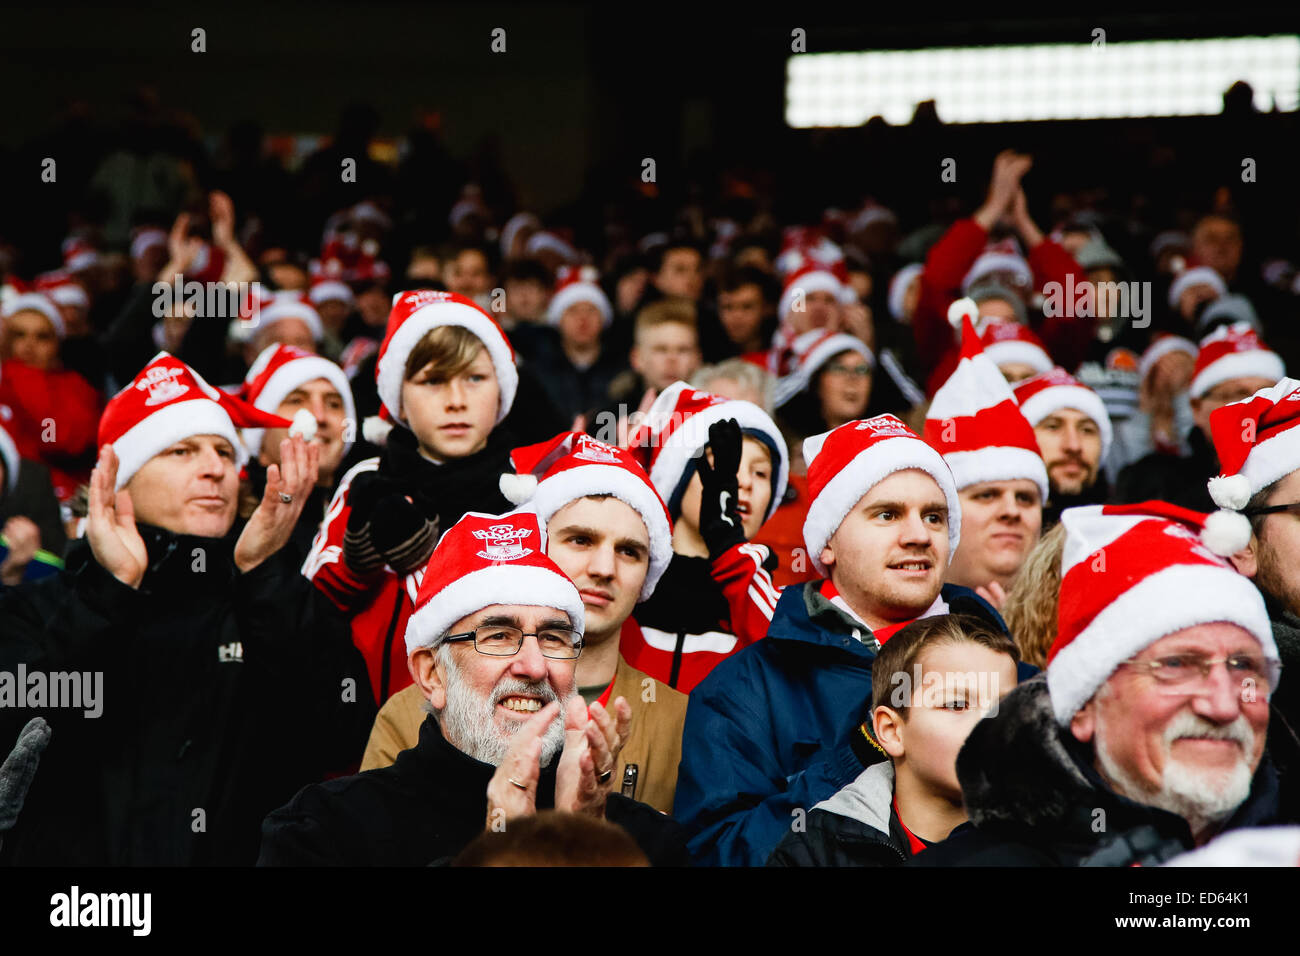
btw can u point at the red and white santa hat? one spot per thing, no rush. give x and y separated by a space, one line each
1048 392
277 372
78 254
166 402
145 238
1130 575
551 474
63 289
1003 341
291 305
975 423
484 560
1196 275
847 462
1001 257
326 287
415 314
549 242
9 457
35 302
576 285
1233 351
898 288
811 351
1163 344
815 276
676 429
1257 442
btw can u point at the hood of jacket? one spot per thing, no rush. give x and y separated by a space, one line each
868 799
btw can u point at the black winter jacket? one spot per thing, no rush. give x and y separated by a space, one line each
1034 799
424 809
222 694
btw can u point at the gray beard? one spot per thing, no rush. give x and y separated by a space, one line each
470 723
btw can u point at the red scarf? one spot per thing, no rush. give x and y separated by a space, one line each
912 840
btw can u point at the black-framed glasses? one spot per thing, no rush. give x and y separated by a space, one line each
1270 509
504 640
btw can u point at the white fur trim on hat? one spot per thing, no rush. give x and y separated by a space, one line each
69 294
330 291
818 280
567 486
36 302
527 585
1197 275
1167 601
167 426
998 463
898 288
10 458
1079 397
290 376
868 468
392 364
989 262
1257 363
573 294
1271 459
1014 350
669 470
279 311
1162 347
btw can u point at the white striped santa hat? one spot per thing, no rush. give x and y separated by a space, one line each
578 285
551 474
1130 575
1003 341
676 429
847 462
275 374
810 351
976 424
484 560
1233 351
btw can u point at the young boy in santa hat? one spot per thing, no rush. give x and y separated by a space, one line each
446 375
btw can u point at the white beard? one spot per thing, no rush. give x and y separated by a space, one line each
1202 798
471 723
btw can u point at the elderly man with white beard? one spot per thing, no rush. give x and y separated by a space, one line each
1146 736
507 735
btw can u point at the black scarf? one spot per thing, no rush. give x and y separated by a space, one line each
447 491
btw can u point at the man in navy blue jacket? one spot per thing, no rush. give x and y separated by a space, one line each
778 727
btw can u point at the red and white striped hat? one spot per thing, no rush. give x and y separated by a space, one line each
1233 351
578 285
277 372
975 423
1048 392
1257 442
815 276
484 560
36 302
847 462
166 402
417 313
291 305
63 289
1130 575
551 474
811 351
676 429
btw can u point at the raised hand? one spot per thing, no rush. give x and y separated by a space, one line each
720 524
288 486
110 524
512 791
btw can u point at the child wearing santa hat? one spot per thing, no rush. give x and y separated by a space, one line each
446 377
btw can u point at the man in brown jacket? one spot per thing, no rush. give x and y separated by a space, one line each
609 531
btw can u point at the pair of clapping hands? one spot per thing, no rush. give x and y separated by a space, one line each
585 775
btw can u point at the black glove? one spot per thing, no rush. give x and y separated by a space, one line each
720 524
19 769
401 534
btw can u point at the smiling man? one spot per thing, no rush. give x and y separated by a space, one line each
776 727
1146 737
608 530
507 732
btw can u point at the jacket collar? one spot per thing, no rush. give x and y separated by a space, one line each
804 614
434 760
1021 769
171 553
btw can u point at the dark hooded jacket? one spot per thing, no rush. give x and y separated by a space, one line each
1034 799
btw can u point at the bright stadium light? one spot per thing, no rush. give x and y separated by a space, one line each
1045 81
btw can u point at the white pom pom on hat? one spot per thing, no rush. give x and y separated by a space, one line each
1226 532
1230 491
517 488
304 424
962 308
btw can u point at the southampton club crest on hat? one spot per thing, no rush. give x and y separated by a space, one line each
503 542
160 381
594 450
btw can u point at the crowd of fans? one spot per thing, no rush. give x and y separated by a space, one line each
735 542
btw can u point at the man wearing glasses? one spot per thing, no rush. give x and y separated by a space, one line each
1260 454
508 733
1146 735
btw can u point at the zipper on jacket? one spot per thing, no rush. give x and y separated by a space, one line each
677 659
386 667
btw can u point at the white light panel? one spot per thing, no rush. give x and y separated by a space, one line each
1045 81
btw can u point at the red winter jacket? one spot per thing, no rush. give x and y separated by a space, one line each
55 421
949 260
701 612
